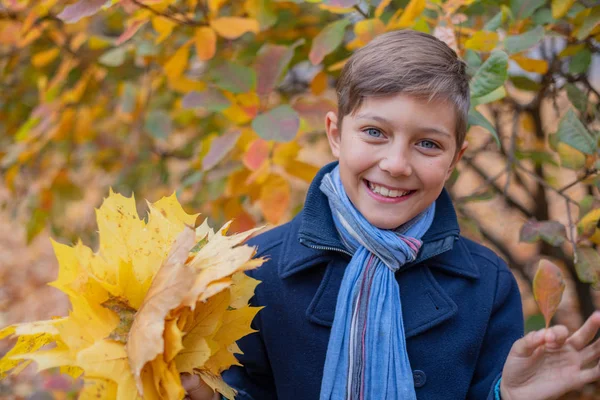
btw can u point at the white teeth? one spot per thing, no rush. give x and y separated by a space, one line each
386 192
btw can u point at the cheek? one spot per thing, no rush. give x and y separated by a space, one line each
434 172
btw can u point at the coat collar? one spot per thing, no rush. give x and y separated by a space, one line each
313 236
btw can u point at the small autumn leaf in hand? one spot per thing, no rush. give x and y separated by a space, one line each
548 288
159 298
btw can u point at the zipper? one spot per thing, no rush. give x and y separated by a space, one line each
316 247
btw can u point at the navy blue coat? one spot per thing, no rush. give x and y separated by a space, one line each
460 303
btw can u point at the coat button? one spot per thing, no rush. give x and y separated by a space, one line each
419 377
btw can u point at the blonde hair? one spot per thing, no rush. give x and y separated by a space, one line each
406 61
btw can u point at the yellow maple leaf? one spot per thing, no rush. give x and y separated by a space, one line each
158 298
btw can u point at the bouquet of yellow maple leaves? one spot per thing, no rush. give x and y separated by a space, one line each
158 298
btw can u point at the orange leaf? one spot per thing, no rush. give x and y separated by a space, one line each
234 27
274 198
319 83
257 153
205 40
530 64
548 287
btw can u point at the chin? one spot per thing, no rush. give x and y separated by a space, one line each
383 222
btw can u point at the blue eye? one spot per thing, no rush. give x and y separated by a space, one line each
373 132
428 144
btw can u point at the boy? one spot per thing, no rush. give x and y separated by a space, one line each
370 292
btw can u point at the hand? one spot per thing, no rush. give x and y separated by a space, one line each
549 363
196 389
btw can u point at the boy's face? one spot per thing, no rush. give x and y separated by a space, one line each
395 154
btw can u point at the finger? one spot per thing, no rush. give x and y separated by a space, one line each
189 381
589 375
590 353
525 346
586 333
556 336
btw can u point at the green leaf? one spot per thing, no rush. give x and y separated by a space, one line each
491 75
497 94
280 124
158 123
577 97
538 157
543 16
522 9
127 101
494 23
524 83
551 232
587 265
327 40
476 118
210 99
572 132
589 23
114 57
535 323
473 61
524 41
580 62
233 77
24 129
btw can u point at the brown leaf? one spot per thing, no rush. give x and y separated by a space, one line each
548 287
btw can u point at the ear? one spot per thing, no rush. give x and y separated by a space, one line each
333 133
457 158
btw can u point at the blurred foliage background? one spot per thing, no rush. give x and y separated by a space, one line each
223 102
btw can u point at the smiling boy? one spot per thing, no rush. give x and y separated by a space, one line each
370 292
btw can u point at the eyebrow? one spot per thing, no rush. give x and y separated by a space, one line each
384 120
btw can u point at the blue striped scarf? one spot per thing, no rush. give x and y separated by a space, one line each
366 355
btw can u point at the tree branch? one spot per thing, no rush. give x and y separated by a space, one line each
545 184
361 12
587 174
510 201
168 16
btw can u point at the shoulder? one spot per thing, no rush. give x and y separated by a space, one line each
493 268
485 257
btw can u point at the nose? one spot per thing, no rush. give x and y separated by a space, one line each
396 163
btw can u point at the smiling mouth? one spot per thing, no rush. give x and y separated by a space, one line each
386 192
